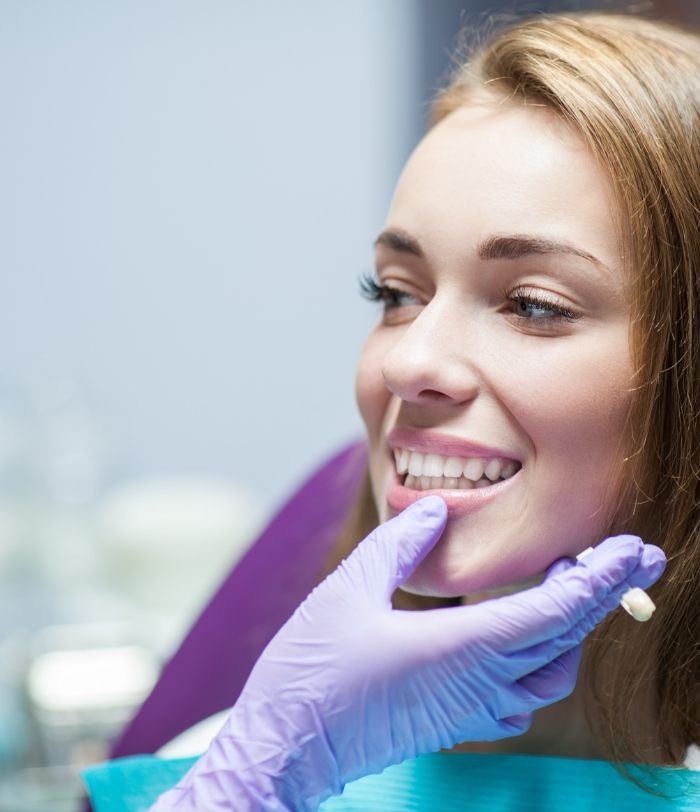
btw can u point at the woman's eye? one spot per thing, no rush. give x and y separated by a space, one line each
540 309
391 297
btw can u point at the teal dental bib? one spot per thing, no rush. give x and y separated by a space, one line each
439 782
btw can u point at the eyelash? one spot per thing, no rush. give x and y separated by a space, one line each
373 291
555 306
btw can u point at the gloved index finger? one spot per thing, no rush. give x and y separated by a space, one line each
553 608
651 565
392 551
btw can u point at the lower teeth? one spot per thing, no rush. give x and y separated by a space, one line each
424 483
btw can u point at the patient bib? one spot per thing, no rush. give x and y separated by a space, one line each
440 782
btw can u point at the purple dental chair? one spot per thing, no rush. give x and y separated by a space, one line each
208 671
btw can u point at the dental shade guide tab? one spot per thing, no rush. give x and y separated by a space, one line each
635 601
638 604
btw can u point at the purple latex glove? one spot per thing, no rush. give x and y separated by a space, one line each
349 686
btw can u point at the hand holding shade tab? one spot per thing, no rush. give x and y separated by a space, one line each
635 601
349 685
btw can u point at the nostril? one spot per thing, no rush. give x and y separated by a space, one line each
433 394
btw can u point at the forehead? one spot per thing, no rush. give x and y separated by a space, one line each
505 169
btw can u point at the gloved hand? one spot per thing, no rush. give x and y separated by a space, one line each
349 686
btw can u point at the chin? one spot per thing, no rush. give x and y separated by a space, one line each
450 571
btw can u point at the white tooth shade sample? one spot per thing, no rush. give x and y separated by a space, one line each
638 604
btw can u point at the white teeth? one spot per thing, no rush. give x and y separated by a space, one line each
431 471
415 463
509 468
453 467
401 455
493 470
474 468
438 483
433 465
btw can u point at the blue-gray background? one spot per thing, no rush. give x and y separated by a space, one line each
188 192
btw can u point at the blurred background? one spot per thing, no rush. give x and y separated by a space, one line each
188 193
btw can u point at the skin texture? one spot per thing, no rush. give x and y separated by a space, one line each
458 356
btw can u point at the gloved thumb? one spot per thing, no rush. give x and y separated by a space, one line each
392 551
559 566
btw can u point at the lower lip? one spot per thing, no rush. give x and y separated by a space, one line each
459 502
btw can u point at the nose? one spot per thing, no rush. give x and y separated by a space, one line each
430 361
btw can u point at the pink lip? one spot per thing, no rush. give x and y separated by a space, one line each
432 441
459 502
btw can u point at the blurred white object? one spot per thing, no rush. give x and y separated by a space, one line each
692 759
83 682
195 740
169 542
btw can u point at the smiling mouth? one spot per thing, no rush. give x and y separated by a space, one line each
420 471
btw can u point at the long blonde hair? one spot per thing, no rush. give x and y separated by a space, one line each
631 88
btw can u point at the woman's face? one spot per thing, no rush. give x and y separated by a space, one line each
503 354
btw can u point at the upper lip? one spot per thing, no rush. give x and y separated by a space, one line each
443 444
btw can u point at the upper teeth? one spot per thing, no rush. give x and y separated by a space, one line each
417 463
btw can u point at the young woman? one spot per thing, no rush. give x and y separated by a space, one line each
531 391
584 131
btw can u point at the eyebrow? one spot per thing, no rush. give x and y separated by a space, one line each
514 246
506 246
399 240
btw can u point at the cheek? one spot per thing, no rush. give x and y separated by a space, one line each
378 409
574 414
576 409
370 392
